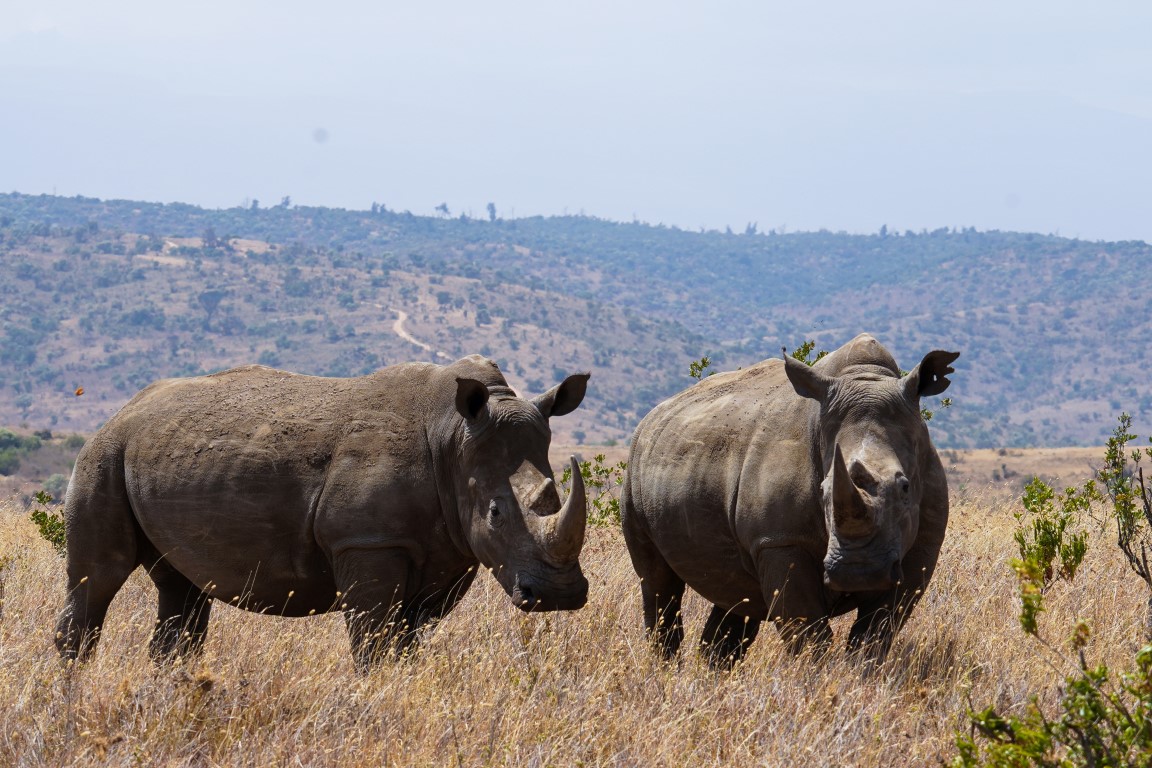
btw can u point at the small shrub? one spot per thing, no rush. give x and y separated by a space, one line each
927 413
1104 719
9 439
1045 539
803 353
56 485
14 448
1099 723
50 524
602 482
9 461
1130 508
698 369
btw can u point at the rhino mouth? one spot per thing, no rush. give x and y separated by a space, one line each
862 577
532 596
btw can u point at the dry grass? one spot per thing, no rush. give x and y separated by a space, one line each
494 687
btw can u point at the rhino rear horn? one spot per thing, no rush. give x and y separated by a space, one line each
544 500
563 398
930 377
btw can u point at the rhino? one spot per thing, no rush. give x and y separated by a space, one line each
790 493
378 496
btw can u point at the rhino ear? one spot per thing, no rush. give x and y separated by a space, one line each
564 397
471 397
806 382
930 377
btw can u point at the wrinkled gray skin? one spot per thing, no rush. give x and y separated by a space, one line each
292 495
789 493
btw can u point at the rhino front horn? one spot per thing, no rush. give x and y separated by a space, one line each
849 512
573 517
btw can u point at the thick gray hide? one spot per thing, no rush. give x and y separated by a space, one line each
789 493
292 495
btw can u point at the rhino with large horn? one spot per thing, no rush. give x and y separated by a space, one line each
790 493
379 496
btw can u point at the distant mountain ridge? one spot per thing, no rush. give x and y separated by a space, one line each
112 294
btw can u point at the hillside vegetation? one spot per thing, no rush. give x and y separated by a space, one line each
109 295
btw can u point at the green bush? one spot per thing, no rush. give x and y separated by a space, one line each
602 484
56 485
1045 539
1104 718
1129 513
803 353
50 524
9 461
13 448
9 439
1100 723
698 369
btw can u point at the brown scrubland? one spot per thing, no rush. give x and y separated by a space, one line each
491 686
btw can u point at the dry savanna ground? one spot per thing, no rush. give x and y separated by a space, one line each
492 686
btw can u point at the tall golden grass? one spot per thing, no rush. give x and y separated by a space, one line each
494 687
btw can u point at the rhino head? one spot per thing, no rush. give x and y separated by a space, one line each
872 441
514 520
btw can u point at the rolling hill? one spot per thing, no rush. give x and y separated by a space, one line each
109 295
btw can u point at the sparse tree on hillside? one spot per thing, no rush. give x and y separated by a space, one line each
210 301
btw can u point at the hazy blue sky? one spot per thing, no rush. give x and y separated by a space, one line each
844 115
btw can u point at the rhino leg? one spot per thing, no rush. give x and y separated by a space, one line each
662 592
727 636
372 584
874 628
793 585
182 618
90 592
880 617
662 617
422 612
102 540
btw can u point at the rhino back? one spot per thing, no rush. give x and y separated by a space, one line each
228 470
723 469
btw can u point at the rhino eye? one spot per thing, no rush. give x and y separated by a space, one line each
494 517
